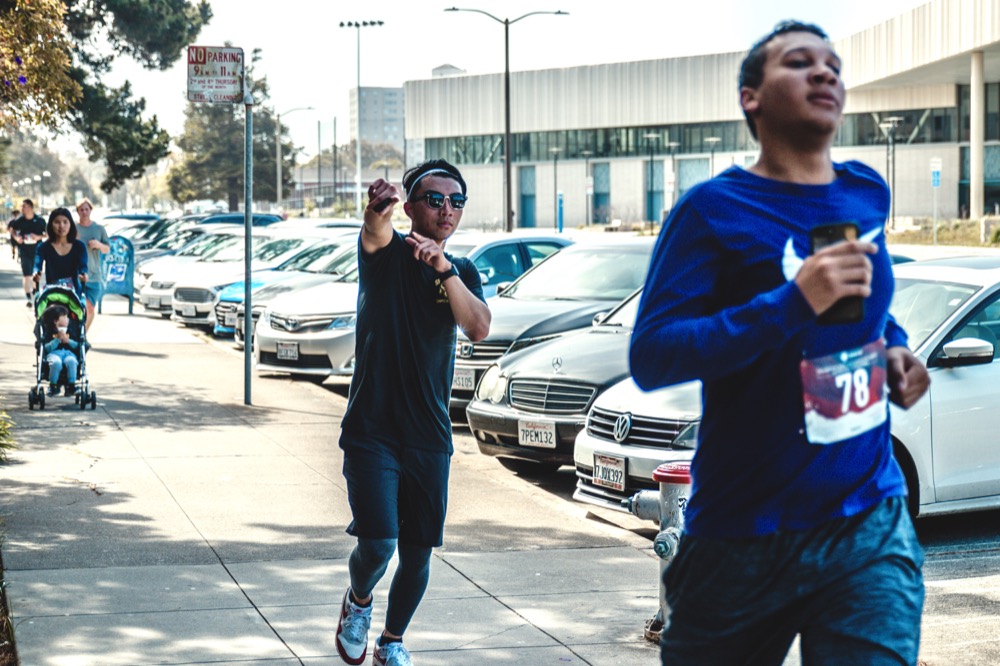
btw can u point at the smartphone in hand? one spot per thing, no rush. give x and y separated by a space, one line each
850 309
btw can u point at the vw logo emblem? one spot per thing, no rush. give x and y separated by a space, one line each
557 363
623 424
466 349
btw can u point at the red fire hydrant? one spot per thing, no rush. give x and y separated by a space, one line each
668 506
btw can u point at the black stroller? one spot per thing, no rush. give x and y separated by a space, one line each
57 294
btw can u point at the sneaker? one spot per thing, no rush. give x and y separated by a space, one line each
53 390
352 630
28 304
390 654
70 389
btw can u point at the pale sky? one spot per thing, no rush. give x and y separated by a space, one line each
310 61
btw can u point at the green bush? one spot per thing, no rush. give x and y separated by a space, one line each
995 236
6 435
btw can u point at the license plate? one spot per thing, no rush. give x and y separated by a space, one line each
609 472
465 379
154 303
288 351
536 434
188 311
230 319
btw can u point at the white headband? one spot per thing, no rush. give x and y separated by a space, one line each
431 172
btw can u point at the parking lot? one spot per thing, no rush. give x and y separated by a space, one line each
174 524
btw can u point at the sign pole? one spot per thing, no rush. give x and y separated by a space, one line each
247 239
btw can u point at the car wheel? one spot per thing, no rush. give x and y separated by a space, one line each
529 468
910 474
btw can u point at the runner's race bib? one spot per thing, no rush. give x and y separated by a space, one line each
844 393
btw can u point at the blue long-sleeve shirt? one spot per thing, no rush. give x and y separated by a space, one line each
56 343
720 305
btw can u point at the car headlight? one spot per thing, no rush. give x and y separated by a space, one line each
687 438
344 321
492 386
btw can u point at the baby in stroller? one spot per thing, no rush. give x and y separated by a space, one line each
60 352
61 347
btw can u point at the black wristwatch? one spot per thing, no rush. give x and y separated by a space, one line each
444 275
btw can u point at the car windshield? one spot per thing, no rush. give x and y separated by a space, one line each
345 260
276 248
585 274
920 306
176 241
312 259
207 244
625 315
235 251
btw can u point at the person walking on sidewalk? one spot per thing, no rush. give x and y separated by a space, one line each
62 256
95 238
26 232
396 432
798 524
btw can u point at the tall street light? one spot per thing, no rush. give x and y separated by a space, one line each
711 141
277 142
357 172
889 126
650 137
588 180
508 156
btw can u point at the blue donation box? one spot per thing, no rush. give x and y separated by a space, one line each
118 269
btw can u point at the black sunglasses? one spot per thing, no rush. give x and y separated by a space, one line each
436 200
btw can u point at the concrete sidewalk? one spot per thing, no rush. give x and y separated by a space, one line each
174 525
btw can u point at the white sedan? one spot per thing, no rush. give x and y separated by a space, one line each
946 444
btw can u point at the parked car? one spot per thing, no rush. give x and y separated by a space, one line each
308 262
116 222
170 244
342 262
310 332
155 294
561 294
293 338
630 433
945 444
196 291
530 404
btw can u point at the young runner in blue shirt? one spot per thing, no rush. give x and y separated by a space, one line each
396 433
797 523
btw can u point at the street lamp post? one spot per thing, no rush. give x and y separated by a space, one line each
889 126
508 156
357 171
277 143
555 150
587 179
711 141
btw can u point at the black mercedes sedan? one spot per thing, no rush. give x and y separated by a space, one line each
530 404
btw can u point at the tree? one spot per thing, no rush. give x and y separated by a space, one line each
35 85
77 185
65 84
26 156
211 164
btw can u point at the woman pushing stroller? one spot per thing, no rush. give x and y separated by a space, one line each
62 255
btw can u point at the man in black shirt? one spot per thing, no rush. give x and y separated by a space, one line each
396 433
27 232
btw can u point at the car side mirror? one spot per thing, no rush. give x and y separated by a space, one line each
966 351
599 318
502 287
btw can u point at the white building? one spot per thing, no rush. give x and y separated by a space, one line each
933 73
382 115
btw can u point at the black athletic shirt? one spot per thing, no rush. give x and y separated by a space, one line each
405 350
